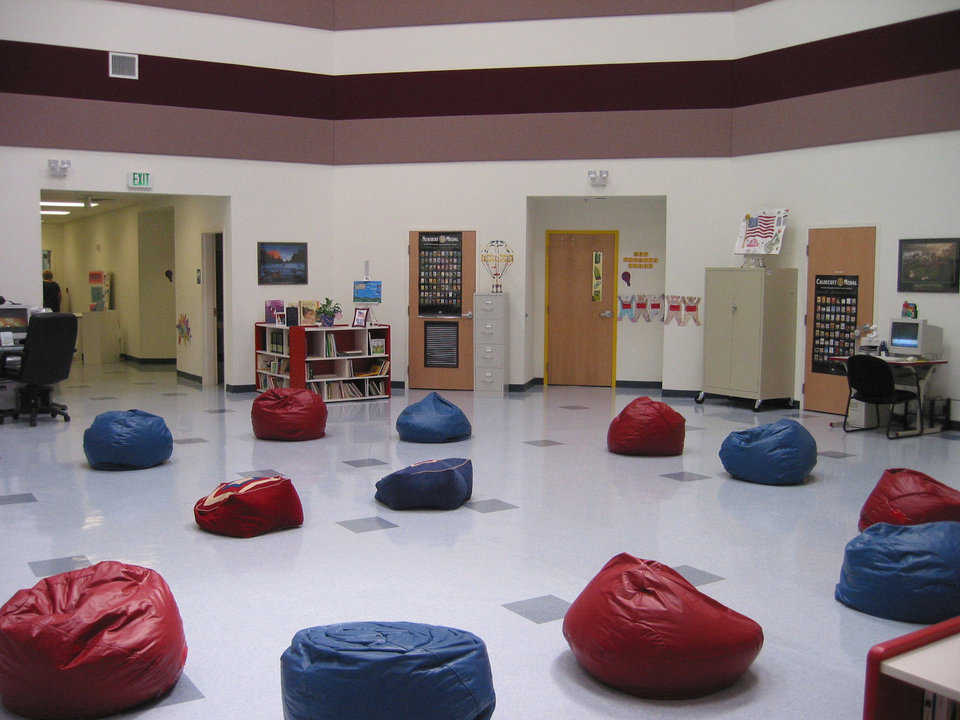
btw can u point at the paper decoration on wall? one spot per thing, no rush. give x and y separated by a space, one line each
100 296
626 277
640 260
656 307
640 309
674 310
762 234
497 257
691 309
183 329
597 292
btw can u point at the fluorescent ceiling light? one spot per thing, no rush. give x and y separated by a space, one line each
51 203
54 212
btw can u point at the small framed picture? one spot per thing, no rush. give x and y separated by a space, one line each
360 317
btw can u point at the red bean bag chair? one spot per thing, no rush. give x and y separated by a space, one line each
289 414
647 427
250 506
641 627
90 642
909 497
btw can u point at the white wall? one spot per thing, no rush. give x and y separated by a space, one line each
158 337
642 226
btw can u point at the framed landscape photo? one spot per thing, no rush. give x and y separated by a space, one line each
281 263
929 265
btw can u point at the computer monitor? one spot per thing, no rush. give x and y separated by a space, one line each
909 336
15 319
367 291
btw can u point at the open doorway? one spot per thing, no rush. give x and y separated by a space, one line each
638 279
148 249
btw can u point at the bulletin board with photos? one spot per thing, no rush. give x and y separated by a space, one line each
441 268
834 320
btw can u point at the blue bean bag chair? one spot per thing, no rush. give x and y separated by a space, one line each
386 671
780 453
127 439
432 484
433 420
909 573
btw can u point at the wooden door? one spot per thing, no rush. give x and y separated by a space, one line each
836 251
441 309
747 325
580 322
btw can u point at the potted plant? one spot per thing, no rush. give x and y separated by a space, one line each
327 310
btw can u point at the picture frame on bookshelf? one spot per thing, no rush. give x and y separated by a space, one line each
378 346
281 263
360 317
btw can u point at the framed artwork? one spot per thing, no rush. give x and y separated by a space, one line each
281 263
929 265
360 317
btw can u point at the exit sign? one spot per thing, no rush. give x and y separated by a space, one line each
139 180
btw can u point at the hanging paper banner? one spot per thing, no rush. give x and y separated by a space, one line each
597 295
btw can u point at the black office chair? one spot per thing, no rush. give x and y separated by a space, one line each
872 382
47 355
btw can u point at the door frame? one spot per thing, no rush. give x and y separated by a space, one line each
546 300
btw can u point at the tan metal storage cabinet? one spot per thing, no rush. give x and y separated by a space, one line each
750 333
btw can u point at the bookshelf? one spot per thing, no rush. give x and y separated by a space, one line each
339 363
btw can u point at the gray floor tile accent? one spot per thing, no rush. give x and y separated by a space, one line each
55 566
947 436
684 476
173 394
835 454
104 397
543 609
269 472
17 498
736 419
365 462
219 411
543 443
695 576
189 441
489 506
361 525
183 691
574 407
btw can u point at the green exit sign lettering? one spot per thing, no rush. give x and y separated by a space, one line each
139 180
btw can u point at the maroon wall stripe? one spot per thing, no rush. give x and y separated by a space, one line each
908 49
37 121
359 14
553 136
32 68
915 47
911 106
309 13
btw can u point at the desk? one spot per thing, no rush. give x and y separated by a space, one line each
919 372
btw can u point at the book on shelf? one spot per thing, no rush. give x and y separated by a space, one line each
275 342
308 312
377 367
378 346
270 310
351 352
376 387
331 341
293 315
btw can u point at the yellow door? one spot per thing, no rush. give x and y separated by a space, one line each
581 317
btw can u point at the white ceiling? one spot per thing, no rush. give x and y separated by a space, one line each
108 202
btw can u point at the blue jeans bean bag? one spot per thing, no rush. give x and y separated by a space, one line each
433 420
903 572
781 453
386 671
433 484
127 439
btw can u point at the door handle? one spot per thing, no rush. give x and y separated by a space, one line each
733 308
468 315
607 314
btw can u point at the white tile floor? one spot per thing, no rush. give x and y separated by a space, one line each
777 550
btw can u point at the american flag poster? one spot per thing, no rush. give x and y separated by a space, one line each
762 234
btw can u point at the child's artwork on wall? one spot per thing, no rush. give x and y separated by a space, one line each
183 329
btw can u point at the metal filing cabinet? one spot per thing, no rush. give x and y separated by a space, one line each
490 344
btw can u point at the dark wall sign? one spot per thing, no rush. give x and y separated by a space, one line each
834 320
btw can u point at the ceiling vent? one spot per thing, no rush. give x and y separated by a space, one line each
124 65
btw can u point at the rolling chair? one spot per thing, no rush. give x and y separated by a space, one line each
871 381
47 355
